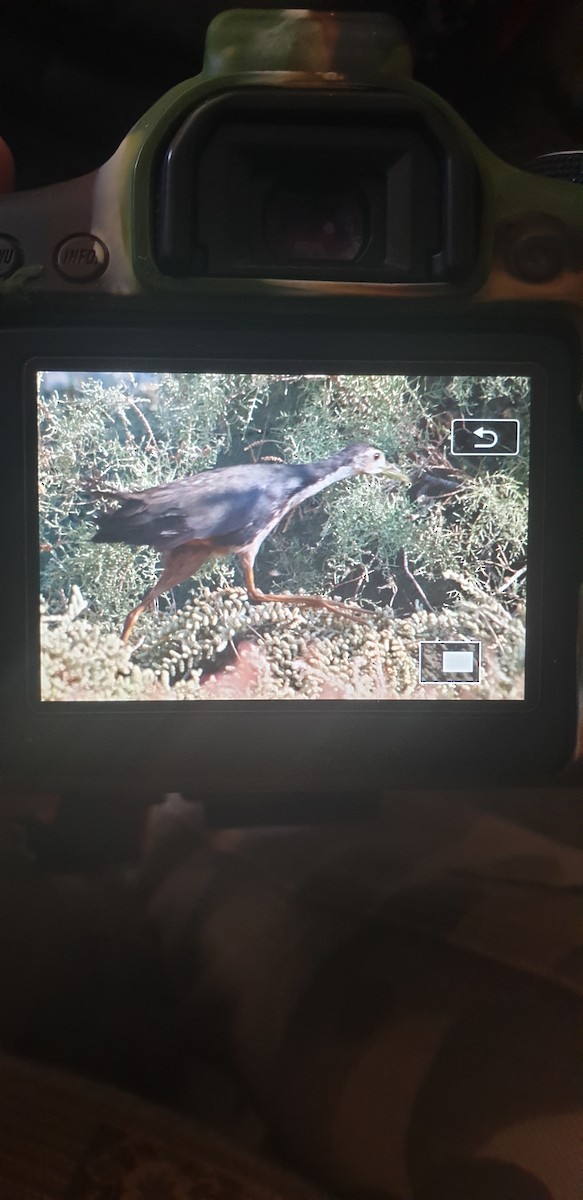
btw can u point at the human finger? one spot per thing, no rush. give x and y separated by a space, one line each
6 168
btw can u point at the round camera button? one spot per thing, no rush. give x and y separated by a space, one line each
81 258
11 256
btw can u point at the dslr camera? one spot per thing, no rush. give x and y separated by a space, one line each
290 392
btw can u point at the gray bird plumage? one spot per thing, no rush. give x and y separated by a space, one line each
226 510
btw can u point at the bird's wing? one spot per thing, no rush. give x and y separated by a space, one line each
228 506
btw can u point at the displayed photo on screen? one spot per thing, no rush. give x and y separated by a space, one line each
285 536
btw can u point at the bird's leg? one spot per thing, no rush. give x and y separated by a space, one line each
137 612
259 597
178 564
145 603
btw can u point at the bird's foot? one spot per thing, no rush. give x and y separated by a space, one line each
338 607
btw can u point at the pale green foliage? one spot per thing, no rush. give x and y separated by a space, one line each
137 432
282 653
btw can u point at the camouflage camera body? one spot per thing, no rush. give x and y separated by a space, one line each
301 206
454 225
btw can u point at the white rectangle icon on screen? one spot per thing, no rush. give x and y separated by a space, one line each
449 662
457 660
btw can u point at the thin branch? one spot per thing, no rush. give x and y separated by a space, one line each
416 585
151 439
513 579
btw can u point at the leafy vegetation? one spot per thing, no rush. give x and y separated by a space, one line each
364 538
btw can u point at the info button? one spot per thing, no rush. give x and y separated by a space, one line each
81 258
10 255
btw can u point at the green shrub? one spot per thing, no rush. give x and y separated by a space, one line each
219 646
135 432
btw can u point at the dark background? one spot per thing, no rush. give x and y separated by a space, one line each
76 74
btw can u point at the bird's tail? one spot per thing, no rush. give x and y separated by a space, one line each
129 523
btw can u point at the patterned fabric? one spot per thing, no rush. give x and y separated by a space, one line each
118 1162
402 999
62 1138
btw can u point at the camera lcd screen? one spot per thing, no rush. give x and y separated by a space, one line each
209 536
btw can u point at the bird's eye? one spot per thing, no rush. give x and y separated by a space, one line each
376 456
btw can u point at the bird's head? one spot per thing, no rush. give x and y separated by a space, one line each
367 460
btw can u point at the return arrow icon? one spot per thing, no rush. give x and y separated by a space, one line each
487 433
474 436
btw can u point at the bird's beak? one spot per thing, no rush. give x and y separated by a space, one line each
393 472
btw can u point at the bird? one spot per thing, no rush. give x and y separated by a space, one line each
228 510
433 483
